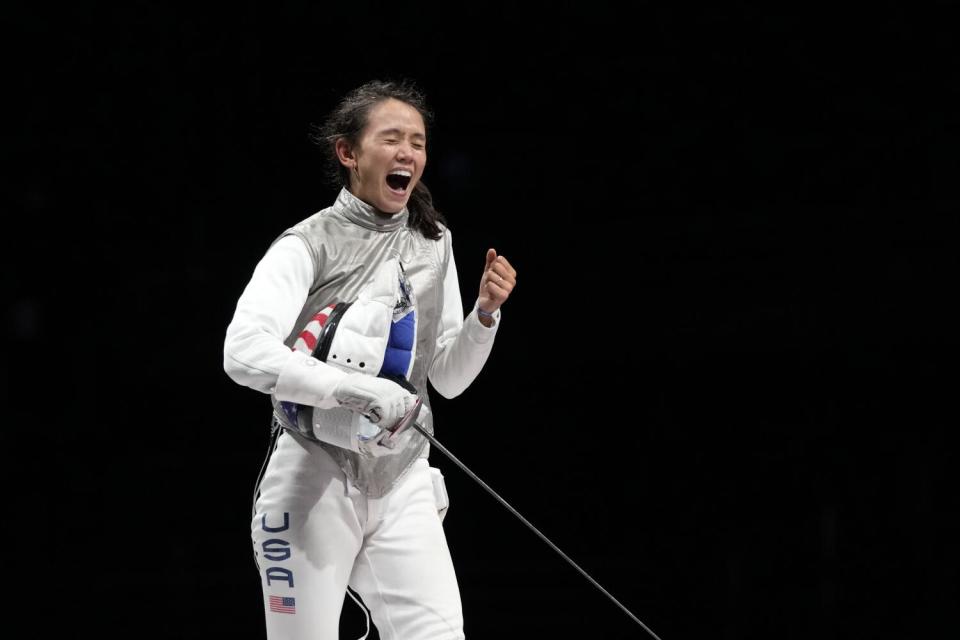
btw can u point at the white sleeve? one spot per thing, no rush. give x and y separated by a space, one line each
463 344
254 354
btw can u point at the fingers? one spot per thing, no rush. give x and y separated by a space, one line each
502 274
498 290
503 262
499 286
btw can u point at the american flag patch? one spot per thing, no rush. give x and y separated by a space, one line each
283 604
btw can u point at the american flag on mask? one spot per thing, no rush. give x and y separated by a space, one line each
283 604
307 339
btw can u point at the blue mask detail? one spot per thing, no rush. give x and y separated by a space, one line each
396 360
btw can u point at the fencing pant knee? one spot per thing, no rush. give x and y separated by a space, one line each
314 534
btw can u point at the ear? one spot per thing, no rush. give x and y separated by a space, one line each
345 153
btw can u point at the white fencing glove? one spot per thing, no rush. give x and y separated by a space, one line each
382 401
382 405
374 440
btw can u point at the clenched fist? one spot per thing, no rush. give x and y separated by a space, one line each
498 280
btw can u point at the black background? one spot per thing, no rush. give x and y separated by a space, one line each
724 384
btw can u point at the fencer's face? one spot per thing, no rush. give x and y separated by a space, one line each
389 158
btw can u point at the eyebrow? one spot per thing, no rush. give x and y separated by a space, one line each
398 132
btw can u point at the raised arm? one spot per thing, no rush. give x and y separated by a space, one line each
464 344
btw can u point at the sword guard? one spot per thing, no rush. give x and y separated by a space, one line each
393 433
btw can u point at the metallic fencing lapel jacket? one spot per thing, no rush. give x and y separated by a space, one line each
347 243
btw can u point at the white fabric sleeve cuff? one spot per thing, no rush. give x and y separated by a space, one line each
305 380
475 329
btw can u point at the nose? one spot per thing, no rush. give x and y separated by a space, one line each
404 150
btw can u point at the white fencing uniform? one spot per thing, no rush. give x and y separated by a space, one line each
325 516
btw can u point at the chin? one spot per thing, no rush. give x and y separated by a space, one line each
390 210
393 207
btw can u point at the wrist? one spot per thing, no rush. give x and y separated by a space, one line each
485 317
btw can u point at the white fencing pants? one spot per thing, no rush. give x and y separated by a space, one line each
314 534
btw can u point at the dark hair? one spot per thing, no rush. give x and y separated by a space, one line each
347 121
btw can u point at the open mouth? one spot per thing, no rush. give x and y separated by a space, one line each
399 180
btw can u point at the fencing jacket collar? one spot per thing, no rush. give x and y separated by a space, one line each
367 216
